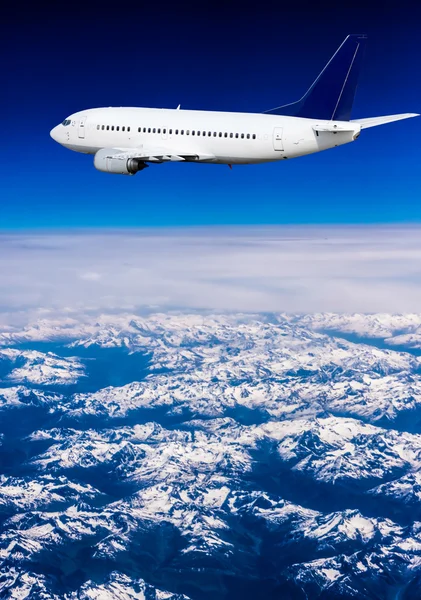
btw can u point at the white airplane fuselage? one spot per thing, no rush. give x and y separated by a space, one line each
215 137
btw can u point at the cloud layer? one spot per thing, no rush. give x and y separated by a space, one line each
292 269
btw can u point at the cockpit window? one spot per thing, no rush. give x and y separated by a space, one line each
66 122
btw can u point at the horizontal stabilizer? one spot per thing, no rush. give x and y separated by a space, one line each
374 121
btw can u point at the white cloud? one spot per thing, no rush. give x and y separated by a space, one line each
293 269
90 276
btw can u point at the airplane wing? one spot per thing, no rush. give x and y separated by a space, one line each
155 155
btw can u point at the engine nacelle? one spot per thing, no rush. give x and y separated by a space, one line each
108 161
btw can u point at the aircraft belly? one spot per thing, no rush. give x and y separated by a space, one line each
239 160
82 149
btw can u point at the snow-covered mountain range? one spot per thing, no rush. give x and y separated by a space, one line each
238 456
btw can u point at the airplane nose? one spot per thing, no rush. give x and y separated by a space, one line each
54 133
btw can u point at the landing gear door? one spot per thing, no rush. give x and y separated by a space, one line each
277 138
81 129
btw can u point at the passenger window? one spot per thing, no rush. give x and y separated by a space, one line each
182 132
225 134
102 127
192 132
214 134
254 136
220 134
112 127
176 132
242 136
204 133
108 128
188 132
97 126
154 130
123 128
159 130
149 129
231 135
170 131
139 129
128 128
164 131
248 136
236 135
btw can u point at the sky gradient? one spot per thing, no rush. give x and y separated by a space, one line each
245 57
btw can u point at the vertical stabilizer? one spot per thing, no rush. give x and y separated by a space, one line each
332 94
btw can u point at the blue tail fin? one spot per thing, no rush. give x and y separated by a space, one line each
332 94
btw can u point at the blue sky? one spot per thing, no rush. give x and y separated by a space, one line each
205 56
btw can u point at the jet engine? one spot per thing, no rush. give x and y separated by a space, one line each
111 161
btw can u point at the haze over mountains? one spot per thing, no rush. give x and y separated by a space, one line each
345 269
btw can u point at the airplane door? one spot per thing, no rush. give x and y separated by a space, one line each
277 138
81 130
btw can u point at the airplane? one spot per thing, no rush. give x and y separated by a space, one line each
126 140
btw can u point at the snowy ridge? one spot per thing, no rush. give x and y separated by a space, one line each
116 587
22 396
397 330
376 326
30 366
